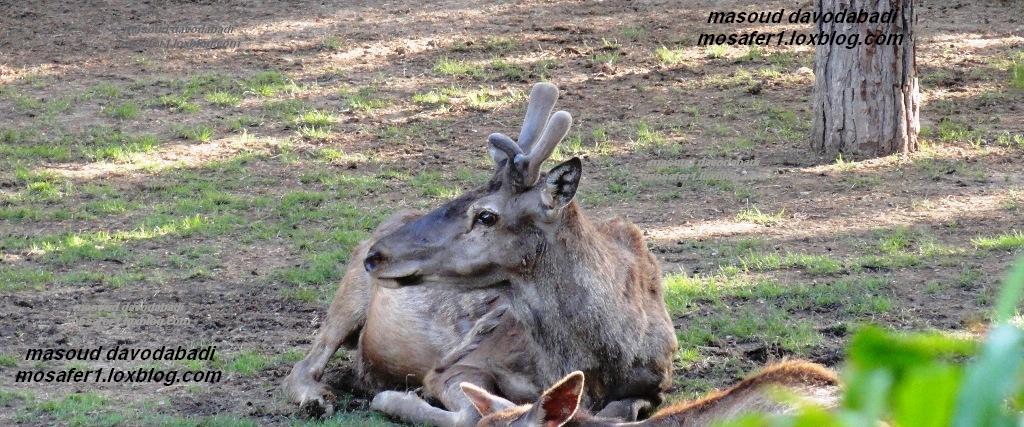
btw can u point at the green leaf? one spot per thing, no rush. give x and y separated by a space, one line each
990 380
874 348
926 395
867 392
1010 296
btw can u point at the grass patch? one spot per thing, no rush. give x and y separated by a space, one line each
364 99
247 363
950 131
431 184
608 58
316 124
652 141
113 144
308 281
105 245
1012 240
270 83
1017 74
716 51
902 248
318 118
18 136
498 44
770 326
456 67
859 296
754 53
285 111
668 56
1011 140
7 398
633 33
105 90
810 263
126 149
485 99
510 71
432 97
242 123
38 186
124 111
198 133
179 103
334 155
223 99
33 152
77 409
21 278
332 43
755 215
8 361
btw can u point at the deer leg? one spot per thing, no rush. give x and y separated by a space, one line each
443 383
626 409
345 319
409 407
462 364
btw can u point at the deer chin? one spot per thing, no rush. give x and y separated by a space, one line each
400 282
398 276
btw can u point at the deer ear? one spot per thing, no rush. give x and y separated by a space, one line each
559 403
484 402
562 181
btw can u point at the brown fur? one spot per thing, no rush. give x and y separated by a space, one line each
793 375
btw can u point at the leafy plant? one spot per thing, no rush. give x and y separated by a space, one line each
929 379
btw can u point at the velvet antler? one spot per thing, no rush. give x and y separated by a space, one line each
540 134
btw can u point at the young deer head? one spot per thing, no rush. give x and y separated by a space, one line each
488 234
800 381
554 408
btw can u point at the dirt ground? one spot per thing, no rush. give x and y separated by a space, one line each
230 183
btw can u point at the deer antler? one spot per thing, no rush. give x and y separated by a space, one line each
533 147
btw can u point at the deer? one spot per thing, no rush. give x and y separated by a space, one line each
765 392
509 286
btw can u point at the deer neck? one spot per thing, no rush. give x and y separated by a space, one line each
573 301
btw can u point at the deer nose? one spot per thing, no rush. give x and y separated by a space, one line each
373 260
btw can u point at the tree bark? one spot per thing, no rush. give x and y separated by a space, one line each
866 98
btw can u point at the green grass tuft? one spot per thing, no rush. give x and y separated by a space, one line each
364 99
753 214
199 133
223 99
270 83
668 56
1012 240
179 103
124 111
455 67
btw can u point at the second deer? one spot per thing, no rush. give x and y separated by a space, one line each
760 393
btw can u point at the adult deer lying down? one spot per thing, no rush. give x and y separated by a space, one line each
509 287
558 405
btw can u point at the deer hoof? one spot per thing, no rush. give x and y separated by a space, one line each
317 407
315 400
390 401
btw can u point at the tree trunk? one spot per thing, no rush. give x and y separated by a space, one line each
866 98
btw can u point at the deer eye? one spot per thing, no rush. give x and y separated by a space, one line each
486 218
